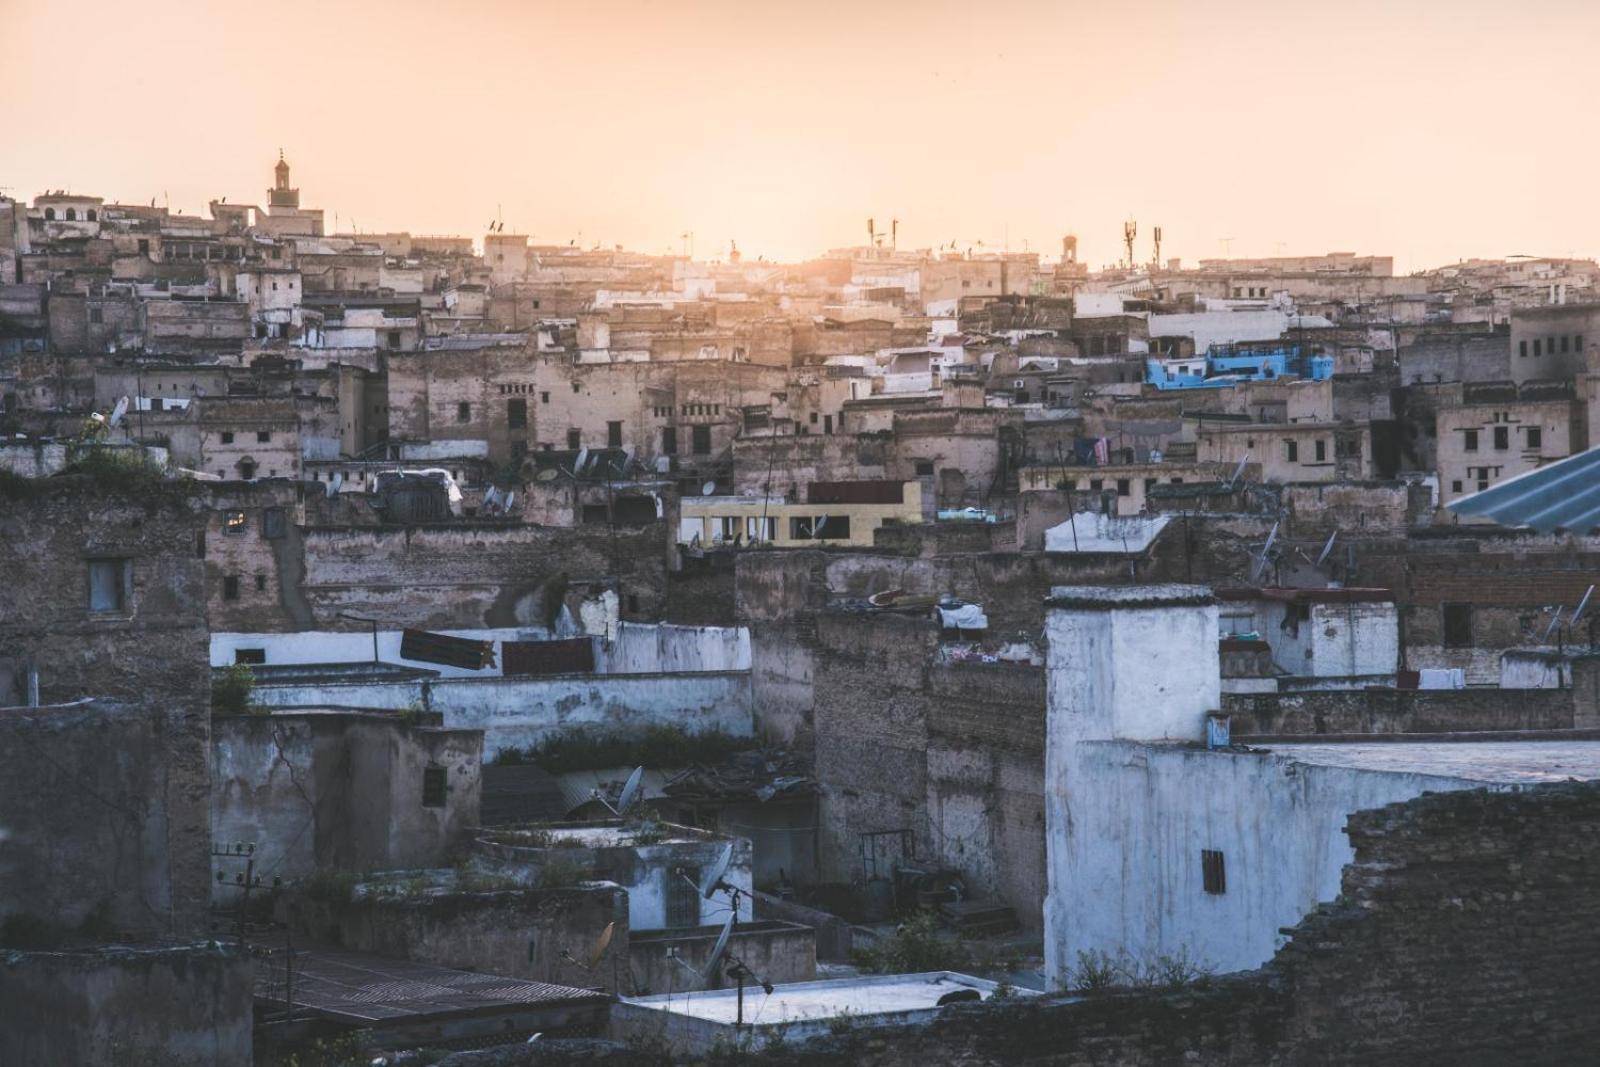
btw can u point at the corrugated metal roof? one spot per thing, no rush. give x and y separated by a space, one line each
1563 496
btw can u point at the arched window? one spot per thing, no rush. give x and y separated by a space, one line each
90 215
49 214
72 214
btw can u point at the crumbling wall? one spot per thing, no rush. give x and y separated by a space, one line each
475 574
178 1007
519 933
953 754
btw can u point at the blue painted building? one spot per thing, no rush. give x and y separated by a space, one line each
1225 365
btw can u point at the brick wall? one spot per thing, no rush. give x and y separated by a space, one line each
1391 711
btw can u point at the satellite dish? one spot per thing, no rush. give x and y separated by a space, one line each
583 457
711 877
816 529
1238 472
627 455
1555 620
663 464
601 943
335 484
715 958
549 474
511 498
119 411
1327 548
491 497
630 791
709 488
1584 603
1266 550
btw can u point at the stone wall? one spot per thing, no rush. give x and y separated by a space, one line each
954 754
178 1007
519 933
475 574
1397 711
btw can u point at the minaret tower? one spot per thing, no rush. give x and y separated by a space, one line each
280 194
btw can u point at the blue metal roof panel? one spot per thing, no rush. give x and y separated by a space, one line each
1563 496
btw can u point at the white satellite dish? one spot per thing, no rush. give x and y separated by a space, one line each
1327 548
1238 472
663 464
549 474
1582 604
119 411
335 484
630 791
711 877
715 958
511 498
583 457
627 455
1266 554
708 488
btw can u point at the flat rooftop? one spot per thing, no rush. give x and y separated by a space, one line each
799 1001
1490 762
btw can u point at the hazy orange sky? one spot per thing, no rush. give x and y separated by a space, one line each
1428 130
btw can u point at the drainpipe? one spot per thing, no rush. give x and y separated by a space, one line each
33 687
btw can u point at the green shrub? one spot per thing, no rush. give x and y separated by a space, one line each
917 945
656 746
230 693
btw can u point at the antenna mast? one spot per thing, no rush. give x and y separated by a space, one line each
1156 262
1130 230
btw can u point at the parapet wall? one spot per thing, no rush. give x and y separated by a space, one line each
1395 711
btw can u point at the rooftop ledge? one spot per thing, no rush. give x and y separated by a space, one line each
1112 597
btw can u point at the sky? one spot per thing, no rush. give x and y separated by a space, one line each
1427 130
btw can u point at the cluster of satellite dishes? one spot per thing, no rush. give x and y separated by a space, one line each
1571 621
713 880
497 502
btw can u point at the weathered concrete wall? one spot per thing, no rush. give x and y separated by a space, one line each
523 712
1136 662
1130 878
777 951
104 818
638 648
520 933
1466 935
184 1007
340 792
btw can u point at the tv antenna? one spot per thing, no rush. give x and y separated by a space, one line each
1130 230
713 881
1156 262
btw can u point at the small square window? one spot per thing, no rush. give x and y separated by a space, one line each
1535 437
544 398
234 522
274 523
463 412
227 437
435 786
263 436
252 657
261 583
1213 871
1502 437
924 468
230 587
